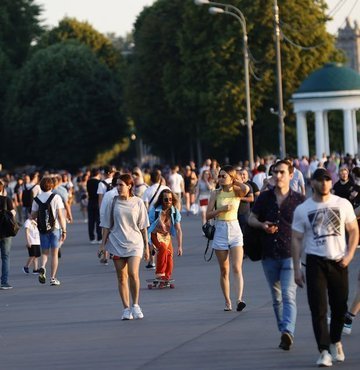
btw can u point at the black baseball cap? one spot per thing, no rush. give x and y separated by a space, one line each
321 174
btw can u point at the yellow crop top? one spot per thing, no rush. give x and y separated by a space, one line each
223 198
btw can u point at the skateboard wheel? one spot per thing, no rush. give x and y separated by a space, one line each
172 286
150 286
161 285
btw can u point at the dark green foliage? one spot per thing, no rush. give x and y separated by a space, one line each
19 26
72 29
187 76
63 108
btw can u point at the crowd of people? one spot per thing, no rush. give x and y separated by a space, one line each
305 209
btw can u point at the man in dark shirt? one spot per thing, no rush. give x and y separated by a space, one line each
93 206
273 213
346 187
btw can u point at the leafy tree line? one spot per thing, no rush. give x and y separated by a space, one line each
187 76
67 94
62 98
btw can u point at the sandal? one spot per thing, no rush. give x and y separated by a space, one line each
228 307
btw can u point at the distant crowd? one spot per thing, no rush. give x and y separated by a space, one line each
303 211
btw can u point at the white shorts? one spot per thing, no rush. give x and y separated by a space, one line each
227 235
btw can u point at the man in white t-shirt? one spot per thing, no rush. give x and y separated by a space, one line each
105 185
152 193
50 241
319 227
176 182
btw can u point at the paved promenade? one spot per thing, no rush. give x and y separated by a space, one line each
78 326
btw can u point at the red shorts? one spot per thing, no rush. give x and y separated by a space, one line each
204 202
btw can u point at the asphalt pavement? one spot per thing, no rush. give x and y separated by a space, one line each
78 324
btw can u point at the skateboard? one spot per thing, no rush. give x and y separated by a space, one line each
160 283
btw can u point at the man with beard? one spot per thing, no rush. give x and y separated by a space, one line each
319 227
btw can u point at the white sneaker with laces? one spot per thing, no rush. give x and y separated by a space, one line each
325 359
54 281
127 315
136 312
337 352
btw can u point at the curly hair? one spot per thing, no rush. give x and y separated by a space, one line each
159 202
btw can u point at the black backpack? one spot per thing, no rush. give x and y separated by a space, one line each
108 185
45 218
8 225
27 197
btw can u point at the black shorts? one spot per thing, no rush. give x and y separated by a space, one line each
34 251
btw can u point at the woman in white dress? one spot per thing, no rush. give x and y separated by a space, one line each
125 237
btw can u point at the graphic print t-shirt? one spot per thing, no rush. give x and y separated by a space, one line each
323 226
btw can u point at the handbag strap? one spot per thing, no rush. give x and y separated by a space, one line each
112 218
157 190
206 250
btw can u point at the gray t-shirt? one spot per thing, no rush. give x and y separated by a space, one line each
125 238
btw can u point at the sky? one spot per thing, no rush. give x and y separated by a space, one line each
118 16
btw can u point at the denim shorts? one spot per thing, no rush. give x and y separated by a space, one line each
227 235
50 240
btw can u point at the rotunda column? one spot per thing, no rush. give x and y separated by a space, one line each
319 133
348 132
355 131
302 135
326 133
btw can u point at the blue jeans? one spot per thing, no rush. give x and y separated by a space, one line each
5 246
280 277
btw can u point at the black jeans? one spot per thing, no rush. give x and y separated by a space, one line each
326 280
94 221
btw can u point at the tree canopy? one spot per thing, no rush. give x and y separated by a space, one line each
19 27
72 29
187 76
63 108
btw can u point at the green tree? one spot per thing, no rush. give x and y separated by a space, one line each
72 29
63 108
155 64
19 27
189 65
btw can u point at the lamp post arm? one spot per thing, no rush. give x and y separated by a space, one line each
227 8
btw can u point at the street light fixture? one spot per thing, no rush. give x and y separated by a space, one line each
236 13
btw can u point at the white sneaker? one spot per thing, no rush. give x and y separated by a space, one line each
347 329
136 312
325 359
54 281
127 315
93 242
337 352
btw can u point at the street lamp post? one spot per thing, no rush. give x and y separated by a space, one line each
236 13
280 112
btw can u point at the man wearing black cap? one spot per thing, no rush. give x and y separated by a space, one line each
319 228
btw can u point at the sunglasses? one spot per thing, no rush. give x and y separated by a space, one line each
167 200
222 176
